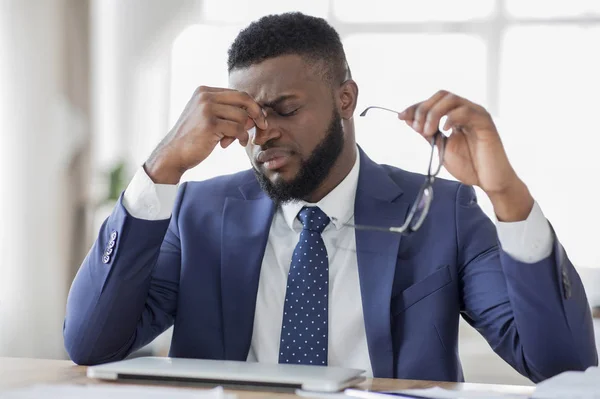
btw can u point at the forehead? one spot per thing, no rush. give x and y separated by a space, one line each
287 74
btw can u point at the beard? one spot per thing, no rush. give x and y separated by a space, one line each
313 170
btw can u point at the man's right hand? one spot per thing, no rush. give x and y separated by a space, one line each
212 116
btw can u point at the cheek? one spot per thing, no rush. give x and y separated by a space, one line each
308 141
307 137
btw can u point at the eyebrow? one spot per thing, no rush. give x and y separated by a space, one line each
279 100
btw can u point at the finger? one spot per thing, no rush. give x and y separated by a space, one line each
229 129
231 113
458 117
226 142
208 89
417 112
249 123
438 110
202 93
423 109
235 98
408 115
243 100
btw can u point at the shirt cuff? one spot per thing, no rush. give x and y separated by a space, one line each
144 199
528 241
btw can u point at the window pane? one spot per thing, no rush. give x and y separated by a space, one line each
197 61
549 108
552 8
198 57
410 10
395 71
236 11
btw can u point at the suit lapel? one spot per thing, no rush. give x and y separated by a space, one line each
246 224
377 204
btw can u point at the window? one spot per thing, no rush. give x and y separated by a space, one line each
412 11
549 101
552 8
389 74
244 12
533 66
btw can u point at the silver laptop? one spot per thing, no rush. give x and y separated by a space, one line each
310 378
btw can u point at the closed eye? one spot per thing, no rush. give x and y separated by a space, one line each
288 113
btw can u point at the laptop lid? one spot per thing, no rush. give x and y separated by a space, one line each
310 378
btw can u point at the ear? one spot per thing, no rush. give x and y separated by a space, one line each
347 98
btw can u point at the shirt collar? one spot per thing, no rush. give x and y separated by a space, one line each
338 204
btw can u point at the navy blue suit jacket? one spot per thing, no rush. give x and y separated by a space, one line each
200 271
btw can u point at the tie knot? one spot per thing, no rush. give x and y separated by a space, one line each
313 219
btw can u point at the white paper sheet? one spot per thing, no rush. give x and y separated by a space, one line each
571 385
435 393
440 393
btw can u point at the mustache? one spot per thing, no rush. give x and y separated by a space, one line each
275 145
271 147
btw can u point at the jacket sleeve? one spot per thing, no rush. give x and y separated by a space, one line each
535 316
125 292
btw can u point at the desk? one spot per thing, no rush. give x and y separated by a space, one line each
17 372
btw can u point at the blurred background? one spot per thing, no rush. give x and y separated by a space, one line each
89 87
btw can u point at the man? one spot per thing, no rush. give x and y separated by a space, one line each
262 265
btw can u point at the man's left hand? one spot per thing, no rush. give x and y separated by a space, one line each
474 152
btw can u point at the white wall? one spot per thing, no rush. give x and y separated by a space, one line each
41 131
131 42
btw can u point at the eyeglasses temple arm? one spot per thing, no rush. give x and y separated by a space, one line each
398 230
377 107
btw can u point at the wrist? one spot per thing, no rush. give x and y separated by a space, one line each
162 173
513 203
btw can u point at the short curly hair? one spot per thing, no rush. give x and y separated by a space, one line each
291 33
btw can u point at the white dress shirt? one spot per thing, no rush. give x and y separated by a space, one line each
528 241
347 336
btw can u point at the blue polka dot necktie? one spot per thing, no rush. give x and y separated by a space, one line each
304 327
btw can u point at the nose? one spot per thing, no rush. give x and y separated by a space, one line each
262 136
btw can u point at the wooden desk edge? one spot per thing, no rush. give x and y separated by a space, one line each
21 372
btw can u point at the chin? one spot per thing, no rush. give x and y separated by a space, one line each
285 174
280 176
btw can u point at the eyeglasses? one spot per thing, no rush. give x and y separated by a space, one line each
420 207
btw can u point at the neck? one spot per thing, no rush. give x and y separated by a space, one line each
338 172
